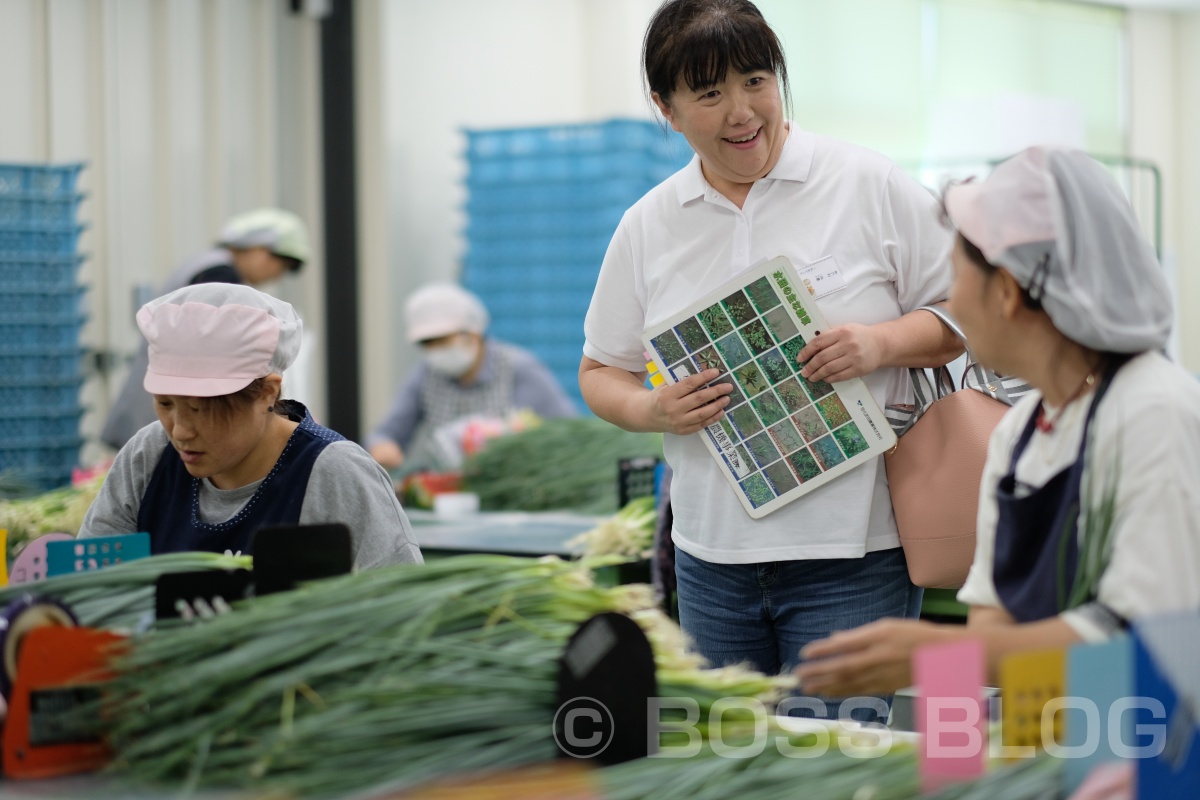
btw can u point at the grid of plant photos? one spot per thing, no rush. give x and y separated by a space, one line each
781 429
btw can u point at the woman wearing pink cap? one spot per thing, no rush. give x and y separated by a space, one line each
1088 516
228 455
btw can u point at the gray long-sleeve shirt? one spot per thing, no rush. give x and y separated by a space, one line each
346 485
534 388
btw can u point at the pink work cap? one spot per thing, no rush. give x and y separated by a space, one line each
216 338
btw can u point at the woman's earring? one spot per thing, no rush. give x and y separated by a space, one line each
270 409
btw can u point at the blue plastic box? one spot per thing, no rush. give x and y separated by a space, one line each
47 180
38 302
557 196
44 240
34 334
585 167
34 429
38 366
27 272
36 209
601 221
614 135
46 465
47 396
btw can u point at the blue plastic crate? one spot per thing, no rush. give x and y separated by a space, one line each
33 209
48 180
483 260
22 272
538 307
48 396
601 221
56 303
44 240
39 366
485 277
586 166
48 459
17 318
34 429
538 250
31 334
560 195
576 138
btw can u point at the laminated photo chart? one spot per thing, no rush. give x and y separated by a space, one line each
782 436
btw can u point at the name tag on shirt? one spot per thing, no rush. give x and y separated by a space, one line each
822 277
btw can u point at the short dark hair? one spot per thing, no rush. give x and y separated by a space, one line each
976 257
223 407
701 40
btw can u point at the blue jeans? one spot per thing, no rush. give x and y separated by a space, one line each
763 614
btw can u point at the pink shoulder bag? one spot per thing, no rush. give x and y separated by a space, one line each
934 471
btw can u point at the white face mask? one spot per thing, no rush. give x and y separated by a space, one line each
452 360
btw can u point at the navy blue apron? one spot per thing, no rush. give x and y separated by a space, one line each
170 506
1037 539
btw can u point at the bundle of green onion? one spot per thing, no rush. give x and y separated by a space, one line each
62 510
385 678
766 774
121 595
562 464
629 532
771 772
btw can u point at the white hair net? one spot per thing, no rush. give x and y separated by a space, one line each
1057 221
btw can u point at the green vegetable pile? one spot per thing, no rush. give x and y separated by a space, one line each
768 774
628 533
119 596
563 464
386 678
60 510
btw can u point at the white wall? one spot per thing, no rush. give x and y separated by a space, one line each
190 110
1164 97
186 112
482 63
470 64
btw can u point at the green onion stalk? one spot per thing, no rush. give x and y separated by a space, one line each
57 511
1096 539
122 595
629 532
387 678
567 463
776 773
766 774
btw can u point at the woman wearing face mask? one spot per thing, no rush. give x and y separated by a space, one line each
462 373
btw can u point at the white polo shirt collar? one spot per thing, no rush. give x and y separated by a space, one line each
795 164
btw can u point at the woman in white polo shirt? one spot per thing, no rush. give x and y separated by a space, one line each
759 187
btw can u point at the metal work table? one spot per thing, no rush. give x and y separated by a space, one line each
517 533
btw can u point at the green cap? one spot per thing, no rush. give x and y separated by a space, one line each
279 231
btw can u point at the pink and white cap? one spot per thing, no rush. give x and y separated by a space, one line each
1058 222
215 339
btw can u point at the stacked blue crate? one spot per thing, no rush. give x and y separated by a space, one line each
542 204
41 315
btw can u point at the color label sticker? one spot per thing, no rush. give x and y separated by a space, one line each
950 712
